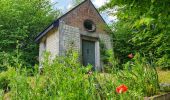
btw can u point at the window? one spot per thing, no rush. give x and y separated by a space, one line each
89 25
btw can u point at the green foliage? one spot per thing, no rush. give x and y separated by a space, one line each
64 78
165 87
142 27
140 71
103 53
5 79
76 2
22 20
1 93
108 58
164 62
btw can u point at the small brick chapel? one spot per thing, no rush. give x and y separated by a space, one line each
82 28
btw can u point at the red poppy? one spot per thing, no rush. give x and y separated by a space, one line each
130 56
121 89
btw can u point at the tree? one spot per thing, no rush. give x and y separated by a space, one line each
76 2
142 27
22 20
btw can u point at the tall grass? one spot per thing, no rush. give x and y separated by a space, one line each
66 79
140 76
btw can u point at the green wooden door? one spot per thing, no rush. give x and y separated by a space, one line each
88 53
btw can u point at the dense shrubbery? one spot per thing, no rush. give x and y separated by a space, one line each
142 27
22 20
65 78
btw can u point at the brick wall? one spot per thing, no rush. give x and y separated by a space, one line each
86 11
77 16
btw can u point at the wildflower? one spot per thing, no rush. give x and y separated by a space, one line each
121 89
130 56
90 72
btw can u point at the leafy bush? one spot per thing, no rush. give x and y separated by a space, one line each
108 58
164 62
1 94
5 79
142 75
29 18
141 26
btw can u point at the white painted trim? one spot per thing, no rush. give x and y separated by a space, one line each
97 56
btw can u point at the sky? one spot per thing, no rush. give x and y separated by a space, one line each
66 5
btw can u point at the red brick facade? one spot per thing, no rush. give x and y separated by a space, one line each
77 17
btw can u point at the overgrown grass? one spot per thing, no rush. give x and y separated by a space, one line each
66 79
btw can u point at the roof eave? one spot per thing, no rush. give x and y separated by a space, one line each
46 30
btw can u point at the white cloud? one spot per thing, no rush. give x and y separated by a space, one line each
69 6
61 8
99 3
112 18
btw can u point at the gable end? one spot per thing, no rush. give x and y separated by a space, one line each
56 22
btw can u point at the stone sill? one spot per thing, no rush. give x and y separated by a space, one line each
165 96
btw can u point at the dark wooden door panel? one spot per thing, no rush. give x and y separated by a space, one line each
88 52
